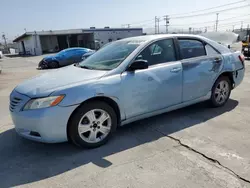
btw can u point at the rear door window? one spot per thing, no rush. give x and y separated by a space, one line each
191 48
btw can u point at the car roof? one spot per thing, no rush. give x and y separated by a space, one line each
148 38
76 48
161 36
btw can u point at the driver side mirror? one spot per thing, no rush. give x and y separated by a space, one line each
138 65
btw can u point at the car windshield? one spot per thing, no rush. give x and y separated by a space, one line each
110 56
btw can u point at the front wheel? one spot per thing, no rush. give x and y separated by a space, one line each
54 65
92 124
221 91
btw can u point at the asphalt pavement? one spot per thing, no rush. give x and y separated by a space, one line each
193 147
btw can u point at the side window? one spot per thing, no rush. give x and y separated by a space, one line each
155 49
210 51
191 48
159 52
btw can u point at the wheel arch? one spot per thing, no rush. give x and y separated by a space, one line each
228 74
54 60
105 99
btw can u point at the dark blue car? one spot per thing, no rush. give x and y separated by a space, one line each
63 58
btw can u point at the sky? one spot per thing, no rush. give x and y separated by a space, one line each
36 15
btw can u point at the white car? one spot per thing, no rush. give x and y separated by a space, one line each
228 39
1 54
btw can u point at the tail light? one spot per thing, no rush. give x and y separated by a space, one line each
242 59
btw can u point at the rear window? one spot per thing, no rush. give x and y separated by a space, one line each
191 48
222 49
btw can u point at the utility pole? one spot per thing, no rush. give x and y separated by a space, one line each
217 21
166 18
155 24
205 29
233 27
189 30
241 26
5 40
158 20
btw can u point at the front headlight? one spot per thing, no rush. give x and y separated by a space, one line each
245 49
43 102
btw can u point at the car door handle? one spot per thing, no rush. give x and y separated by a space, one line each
217 60
176 69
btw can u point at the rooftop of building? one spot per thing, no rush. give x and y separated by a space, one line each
72 31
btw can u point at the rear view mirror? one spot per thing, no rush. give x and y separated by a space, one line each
138 65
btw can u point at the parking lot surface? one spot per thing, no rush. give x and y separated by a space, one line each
193 147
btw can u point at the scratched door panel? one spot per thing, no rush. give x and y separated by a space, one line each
152 89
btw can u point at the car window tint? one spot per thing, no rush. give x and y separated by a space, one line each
159 52
210 51
155 49
191 48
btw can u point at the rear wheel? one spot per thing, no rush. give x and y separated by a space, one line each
54 65
92 124
221 91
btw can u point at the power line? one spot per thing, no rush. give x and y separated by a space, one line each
223 25
145 21
207 13
142 25
229 24
198 23
187 16
211 8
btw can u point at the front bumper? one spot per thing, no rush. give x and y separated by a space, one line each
48 125
43 64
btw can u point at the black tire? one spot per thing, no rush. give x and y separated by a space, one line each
213 101
54 65
78 114
43 66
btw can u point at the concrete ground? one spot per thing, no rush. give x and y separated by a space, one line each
193 147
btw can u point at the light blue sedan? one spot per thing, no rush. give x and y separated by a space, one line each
125 81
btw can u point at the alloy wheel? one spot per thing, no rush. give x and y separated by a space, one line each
94 126
222 92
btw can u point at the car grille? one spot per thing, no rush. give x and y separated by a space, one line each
14 102
17 101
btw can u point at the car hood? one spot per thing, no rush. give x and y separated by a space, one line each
51 57
46 83
225 38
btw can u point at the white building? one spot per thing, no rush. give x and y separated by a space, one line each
39 42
